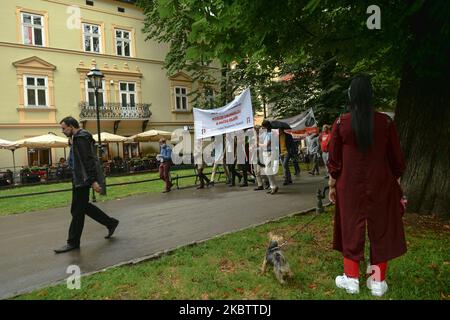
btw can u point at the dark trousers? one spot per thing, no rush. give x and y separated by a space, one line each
296 166
233 173
245 168
164 169
80 207
286 171
202 177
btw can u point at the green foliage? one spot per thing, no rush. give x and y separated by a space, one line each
322 43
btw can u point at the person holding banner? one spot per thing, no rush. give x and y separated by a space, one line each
271 164
232 148
202 177
256 160
200 164
245 167
219 159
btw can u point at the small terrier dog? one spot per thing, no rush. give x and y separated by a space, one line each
274 256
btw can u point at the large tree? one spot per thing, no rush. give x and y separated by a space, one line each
327 42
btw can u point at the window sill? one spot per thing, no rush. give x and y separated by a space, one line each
36 109
181 111
93 52
34 45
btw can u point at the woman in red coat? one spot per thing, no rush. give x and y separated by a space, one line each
365 165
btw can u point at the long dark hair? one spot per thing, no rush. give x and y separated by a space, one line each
360 98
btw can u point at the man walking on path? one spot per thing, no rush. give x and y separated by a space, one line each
165 157
86 173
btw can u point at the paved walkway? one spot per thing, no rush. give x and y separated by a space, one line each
148 224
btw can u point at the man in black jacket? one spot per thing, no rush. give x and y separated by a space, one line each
86 174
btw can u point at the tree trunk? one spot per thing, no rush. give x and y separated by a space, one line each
423 120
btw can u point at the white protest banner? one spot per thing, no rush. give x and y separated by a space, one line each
301 121
302 124
236 115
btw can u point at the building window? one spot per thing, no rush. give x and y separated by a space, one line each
33 29
127 93
92 38
36 91
90 94
181 99
123 43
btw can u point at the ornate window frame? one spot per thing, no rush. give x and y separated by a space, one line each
102 37
180 80
36 67
45 34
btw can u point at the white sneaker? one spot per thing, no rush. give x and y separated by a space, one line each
351 285
378 288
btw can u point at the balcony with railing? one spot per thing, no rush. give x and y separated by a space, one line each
116 111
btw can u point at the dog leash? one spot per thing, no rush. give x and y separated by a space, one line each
297 232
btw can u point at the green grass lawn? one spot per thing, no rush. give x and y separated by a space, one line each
61 199
227 267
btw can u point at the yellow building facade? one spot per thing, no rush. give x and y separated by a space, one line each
46 49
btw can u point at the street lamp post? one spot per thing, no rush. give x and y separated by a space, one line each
95 77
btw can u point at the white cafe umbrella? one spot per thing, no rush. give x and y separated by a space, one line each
44 141
151 135
6 144
49 140
109 137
